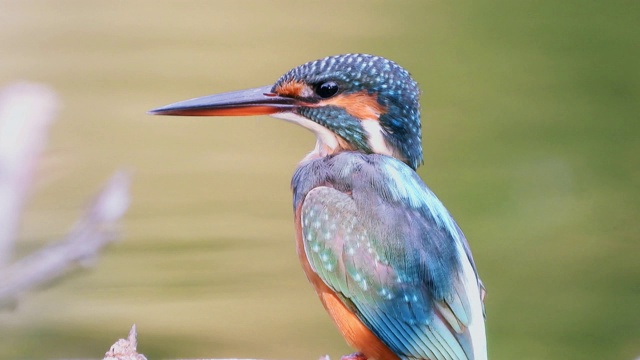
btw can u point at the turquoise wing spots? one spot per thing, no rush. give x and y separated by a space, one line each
375 270
335 243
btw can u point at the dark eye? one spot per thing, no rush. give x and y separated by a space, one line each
327 89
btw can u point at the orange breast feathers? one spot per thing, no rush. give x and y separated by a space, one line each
353 330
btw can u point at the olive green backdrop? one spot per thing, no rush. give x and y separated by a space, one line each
531 126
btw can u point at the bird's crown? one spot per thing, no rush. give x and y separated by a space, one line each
357 95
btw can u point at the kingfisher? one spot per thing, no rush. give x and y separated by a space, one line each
387 260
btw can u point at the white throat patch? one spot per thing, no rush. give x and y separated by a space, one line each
328 143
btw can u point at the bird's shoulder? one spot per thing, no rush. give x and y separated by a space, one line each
392 206
369 178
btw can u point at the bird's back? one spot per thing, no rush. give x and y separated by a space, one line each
380 240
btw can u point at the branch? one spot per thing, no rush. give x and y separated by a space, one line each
26 111
126 349
88 237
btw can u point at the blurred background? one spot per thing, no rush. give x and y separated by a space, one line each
531 140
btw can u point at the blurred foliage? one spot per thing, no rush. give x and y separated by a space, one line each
531 140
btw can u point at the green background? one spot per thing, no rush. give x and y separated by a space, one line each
531 125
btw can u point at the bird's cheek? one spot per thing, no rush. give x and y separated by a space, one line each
361 105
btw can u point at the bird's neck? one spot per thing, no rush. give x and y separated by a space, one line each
325 148
328 143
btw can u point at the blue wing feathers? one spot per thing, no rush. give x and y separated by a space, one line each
378 236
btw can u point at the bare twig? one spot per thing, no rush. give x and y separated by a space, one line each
89 235
26 111
125 349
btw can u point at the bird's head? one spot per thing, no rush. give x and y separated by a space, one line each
352 102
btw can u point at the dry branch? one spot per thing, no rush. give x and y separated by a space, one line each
26 111
125 349
89 236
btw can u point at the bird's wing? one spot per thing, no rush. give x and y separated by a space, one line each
404 274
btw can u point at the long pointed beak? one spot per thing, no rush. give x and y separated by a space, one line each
258 101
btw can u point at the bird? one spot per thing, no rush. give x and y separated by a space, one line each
387 260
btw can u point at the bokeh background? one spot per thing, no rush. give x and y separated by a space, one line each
531 125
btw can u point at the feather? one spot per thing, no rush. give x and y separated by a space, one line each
378 237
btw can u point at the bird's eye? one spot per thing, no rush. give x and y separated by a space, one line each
327 89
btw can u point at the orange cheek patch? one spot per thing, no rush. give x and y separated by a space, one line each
291 89
360 105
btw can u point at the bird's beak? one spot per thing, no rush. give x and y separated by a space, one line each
258 101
